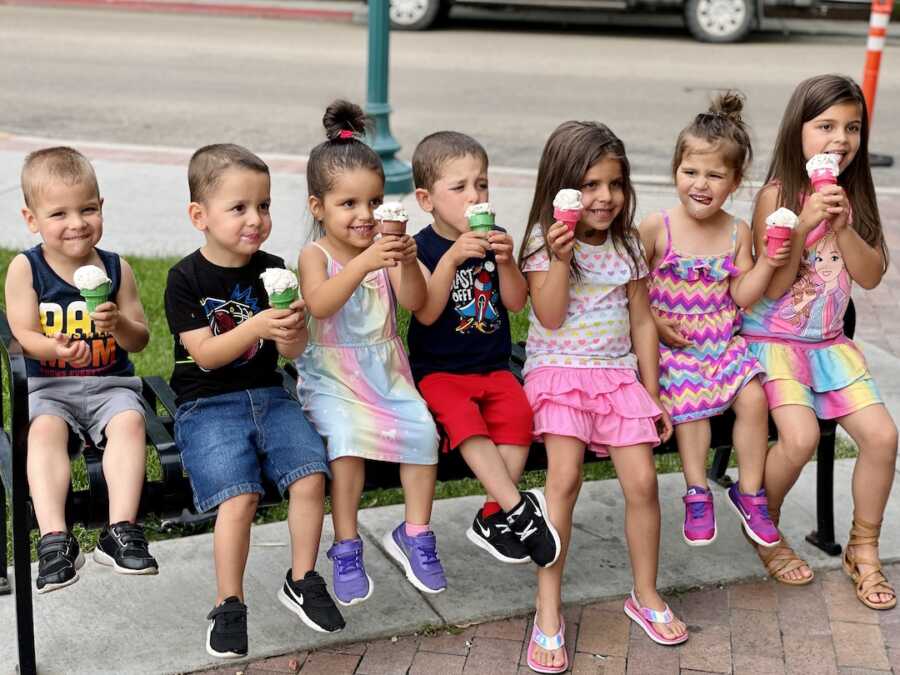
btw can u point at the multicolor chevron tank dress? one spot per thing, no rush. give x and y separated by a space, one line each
702 380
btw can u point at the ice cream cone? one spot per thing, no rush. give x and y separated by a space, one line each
568 216
283 299
775 237
94 297
481 222
393 227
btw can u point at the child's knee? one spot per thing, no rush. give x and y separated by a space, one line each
47 431
799 442
564 483
642 489
126 424
310 486
752 401
240 507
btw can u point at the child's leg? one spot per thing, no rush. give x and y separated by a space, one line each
637 476
565 457
693 440
49 473
751 436
798 438
306 510
124 463
514 457
348 478
231 544
418 481
875 434
489 467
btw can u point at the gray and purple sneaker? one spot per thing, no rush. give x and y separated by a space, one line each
418 557
754 514
350 582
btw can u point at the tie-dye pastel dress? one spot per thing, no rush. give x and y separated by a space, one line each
800 340
355 383
701 380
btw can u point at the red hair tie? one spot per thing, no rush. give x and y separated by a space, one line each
345 134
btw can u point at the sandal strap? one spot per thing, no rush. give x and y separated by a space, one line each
780 560
862 533
653 615
547 642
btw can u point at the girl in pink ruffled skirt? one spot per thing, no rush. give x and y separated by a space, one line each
592 370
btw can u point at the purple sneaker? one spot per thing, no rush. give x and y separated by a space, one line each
419 558
350 582
699 517
754 513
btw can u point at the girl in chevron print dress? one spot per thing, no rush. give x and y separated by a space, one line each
702 274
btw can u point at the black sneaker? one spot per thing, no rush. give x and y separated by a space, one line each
309 599
59 559
529 523
226 636
494 536
124 547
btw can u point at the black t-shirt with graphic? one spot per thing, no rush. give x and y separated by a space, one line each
472 333
200 294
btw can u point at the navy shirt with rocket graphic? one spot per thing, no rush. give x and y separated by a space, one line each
200 294
472 334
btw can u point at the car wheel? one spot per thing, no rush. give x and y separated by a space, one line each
719 20
416 14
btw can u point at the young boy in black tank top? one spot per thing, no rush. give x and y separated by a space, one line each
80 380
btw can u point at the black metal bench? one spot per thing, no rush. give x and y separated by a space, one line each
170 497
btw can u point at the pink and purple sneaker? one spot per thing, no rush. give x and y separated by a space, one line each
754 513
699 517
419 558
350 582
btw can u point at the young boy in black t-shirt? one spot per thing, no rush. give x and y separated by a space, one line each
234 419
460 345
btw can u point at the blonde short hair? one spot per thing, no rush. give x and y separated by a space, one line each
55 164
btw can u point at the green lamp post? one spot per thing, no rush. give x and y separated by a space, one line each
397 174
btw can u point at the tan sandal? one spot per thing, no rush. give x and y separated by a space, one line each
781 559
873 581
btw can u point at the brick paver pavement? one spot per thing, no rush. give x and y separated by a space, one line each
749 628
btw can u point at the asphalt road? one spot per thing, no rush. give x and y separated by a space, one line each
187 80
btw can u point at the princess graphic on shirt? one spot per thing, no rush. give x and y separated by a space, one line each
821 293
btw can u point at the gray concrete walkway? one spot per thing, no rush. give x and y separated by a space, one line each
112 624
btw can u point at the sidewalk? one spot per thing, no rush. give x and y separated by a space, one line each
754 627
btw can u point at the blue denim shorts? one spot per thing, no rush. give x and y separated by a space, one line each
228 441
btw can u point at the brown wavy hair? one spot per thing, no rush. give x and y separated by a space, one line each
572 149
811 98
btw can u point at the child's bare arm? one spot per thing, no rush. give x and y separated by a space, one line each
645 342
124 319
406 278
513 287
25 320
325 296
749 286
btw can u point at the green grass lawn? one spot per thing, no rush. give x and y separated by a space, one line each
156 359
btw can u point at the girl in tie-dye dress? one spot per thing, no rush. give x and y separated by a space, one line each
355 382
702 272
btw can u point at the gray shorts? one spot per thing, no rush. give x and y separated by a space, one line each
87 404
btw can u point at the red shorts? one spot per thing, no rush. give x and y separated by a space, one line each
489 404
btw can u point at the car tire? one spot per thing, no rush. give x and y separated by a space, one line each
417 14
720 20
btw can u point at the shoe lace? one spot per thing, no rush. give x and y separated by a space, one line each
698 509
427 552
315 590
349 562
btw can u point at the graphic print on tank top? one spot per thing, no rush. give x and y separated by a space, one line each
475 298
819 297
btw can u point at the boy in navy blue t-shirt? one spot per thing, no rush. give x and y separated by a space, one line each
460 345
